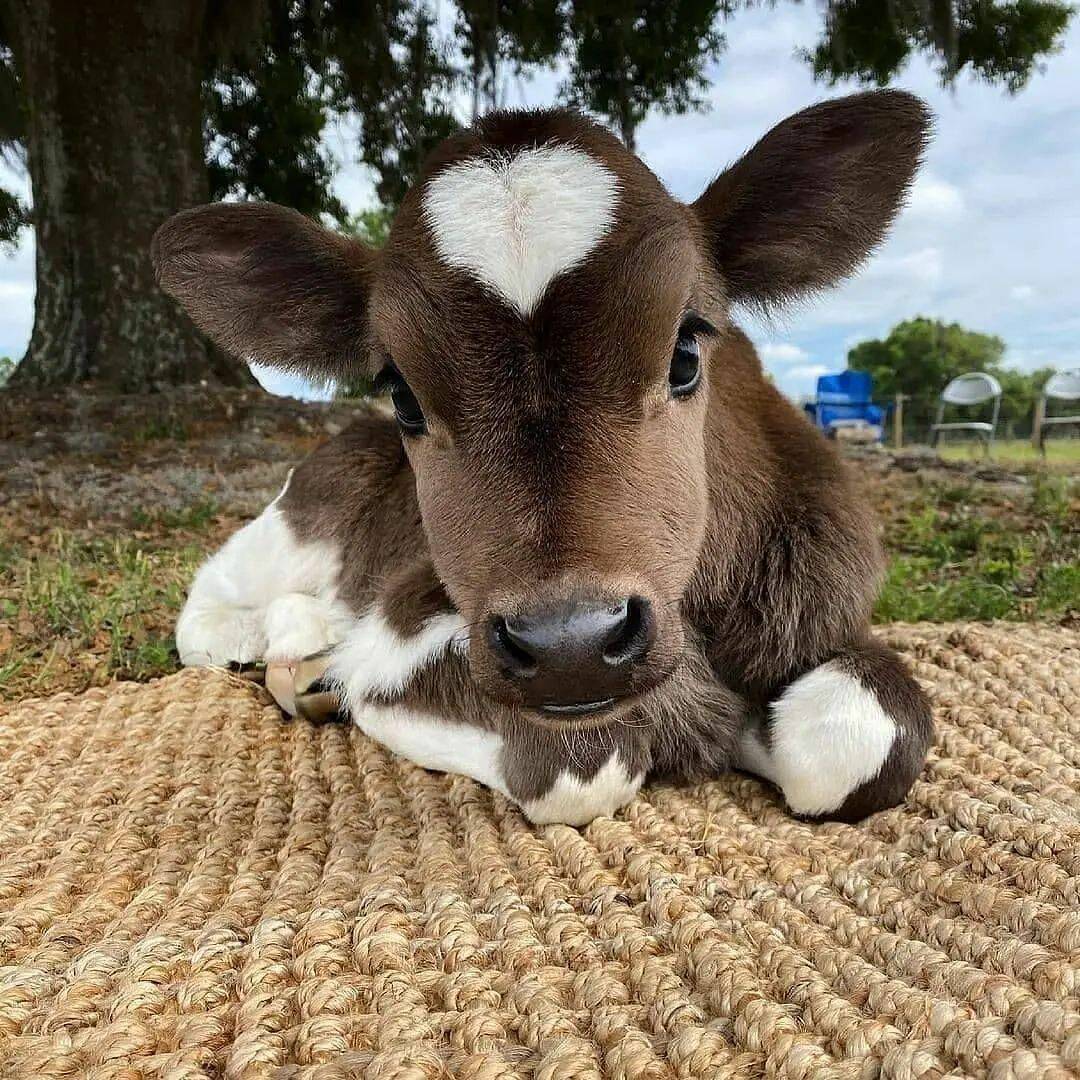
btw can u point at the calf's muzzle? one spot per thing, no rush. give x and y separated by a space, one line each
575 656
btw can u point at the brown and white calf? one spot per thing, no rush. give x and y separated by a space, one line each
595 543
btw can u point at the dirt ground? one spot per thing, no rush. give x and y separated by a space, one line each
107 505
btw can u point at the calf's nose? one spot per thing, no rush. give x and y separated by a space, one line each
575 657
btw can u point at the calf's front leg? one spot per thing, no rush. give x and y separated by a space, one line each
265 595
845 739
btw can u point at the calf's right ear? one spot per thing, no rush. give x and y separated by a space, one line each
269 285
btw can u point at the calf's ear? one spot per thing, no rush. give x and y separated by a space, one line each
269 285
808 203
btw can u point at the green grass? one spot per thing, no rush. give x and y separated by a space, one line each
197 517
85 604
1059 451
97 608
953 558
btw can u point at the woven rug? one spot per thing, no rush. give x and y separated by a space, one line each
192 887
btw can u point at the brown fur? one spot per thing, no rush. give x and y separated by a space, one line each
555 462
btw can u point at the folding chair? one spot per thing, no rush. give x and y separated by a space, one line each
1061 386
975 388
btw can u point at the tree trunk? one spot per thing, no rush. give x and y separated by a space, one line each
114 148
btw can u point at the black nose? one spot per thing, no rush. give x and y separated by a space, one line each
576 657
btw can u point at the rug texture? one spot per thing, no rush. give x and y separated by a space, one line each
191 886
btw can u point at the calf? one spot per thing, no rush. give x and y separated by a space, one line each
592 542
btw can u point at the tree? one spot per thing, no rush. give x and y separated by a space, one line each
500 34
12 219
630 58
111 108
1000 41
266 105
125 113
400 82
920 356
12 137
129 112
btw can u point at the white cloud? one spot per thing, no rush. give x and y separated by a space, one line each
923 267
778 353
808 371
1022 293
932 197
800 382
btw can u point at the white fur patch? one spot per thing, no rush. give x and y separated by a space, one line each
517 223
298 625
829 735
264 593
434 744
574 801
375 660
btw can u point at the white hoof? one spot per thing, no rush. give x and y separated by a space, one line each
217 636
829 735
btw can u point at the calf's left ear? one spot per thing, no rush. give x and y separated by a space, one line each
268 284
812 199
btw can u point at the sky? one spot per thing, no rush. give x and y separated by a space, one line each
990 238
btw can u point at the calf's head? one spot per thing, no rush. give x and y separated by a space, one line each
550 324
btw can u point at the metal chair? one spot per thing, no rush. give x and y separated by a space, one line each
1061 386
975 388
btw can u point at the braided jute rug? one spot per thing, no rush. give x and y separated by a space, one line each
191 886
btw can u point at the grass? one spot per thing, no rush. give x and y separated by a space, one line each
87 602
78 610
198 516
959 553
1059 451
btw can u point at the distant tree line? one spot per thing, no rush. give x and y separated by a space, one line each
919 357
123 113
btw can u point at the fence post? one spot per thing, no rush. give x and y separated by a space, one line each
898 421
1037 423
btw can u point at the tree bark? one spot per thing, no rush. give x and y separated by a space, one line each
114 148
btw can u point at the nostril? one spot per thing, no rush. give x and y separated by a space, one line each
517 660
630 640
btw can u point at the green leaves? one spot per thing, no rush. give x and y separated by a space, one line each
266 107
1000 41
13 216
629 58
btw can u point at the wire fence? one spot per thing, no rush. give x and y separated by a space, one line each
909 419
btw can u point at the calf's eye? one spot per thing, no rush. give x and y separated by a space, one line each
685 373
410 416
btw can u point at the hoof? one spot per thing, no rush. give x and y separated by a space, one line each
299 688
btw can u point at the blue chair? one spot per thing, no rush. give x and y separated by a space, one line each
843 407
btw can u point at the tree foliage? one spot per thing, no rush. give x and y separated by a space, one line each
1000 41
266 107
12 134
503 38
279 71
920 356
630 58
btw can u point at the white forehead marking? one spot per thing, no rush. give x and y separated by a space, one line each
517 223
